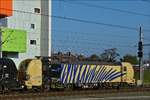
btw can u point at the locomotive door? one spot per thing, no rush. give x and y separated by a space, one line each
124 74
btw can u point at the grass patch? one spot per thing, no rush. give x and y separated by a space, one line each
146 76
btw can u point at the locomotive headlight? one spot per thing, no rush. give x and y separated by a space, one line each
5 66
22 86
27 77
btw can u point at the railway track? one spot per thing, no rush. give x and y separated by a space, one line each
85 92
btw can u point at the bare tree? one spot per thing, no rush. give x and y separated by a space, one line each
109 55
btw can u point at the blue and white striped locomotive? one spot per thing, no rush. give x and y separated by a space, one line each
97 73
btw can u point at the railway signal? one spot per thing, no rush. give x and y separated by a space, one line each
140 48
140 55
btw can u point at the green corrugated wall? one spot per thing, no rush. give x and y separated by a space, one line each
14 40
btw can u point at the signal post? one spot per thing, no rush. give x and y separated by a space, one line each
140 55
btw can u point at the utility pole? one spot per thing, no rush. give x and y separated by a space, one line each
140 55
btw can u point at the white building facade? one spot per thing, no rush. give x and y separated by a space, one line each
33 16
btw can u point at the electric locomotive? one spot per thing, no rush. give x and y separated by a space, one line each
43 74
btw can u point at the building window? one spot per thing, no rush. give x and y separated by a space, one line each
32 26
37 10
33 42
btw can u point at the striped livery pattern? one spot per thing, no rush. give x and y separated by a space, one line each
79 74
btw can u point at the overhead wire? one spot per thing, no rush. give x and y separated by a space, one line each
99 0
83 21
82 38
54 16
146 39
104 7
69 32
98 23
75 39
114 9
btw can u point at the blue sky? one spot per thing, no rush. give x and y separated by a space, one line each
90 38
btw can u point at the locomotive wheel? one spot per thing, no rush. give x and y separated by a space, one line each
46 88
36 89
4 89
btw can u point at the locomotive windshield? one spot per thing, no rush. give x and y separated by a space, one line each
55 70
22 69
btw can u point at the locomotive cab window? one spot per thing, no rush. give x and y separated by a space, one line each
55 70
125 68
